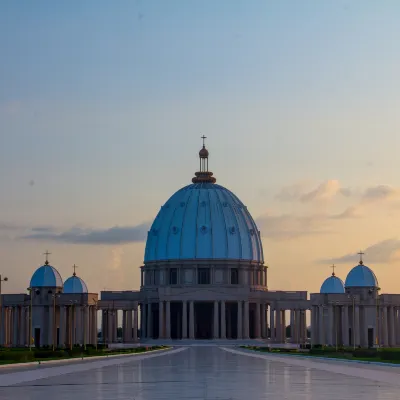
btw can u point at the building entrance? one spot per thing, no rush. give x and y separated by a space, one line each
203 320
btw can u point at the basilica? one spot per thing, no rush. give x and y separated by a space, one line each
203 277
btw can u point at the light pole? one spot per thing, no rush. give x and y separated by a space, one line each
5 279
30 290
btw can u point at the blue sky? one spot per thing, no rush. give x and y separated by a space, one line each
102 105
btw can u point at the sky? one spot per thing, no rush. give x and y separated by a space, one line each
102 105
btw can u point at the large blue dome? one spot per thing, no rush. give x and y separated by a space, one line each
204 221
361 276
46 276
331 285
75 284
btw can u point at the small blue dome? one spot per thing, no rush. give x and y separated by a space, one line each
75 284
46 276
361 276
333 284
204 221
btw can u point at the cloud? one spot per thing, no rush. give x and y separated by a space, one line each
325 191
348 213
114 235
385 251
380 193
290 226
291 193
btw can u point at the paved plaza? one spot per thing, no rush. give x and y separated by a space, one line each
206 373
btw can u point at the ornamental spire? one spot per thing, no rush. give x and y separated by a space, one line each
361 254
47 257
204 175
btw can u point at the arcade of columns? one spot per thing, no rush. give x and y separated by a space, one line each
59 326
277 321
332 324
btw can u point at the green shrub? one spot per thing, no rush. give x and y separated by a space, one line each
18 356
389 355
365 353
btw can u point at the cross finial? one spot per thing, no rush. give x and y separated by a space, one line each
47 257
333 269
74 267
204 138
361 254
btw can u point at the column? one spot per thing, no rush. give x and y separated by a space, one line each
223 320
191 320
161 320
258 320
129 326
3 326
143 321
50 327
304 324
239 321
215 323
321 327
62 326
385 327
272 324
283 321
391 320
86 325
357 325
184 319
115 326
124 327
22 329
16 326
330 326
168 320
246 320
263 321
135 323
149 317
313 326
278 322
110 324
292 327
79 330
345 325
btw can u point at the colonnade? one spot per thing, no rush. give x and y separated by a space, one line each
355 325
278 324
251 321
58 326
129 325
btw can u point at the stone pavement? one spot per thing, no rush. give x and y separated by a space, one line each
198 373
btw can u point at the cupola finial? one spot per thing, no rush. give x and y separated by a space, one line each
361 260
204 175
74 267
47 257
333 269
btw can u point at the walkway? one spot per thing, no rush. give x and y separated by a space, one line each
193 373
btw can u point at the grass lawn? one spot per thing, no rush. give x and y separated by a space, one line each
17 356
329 354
